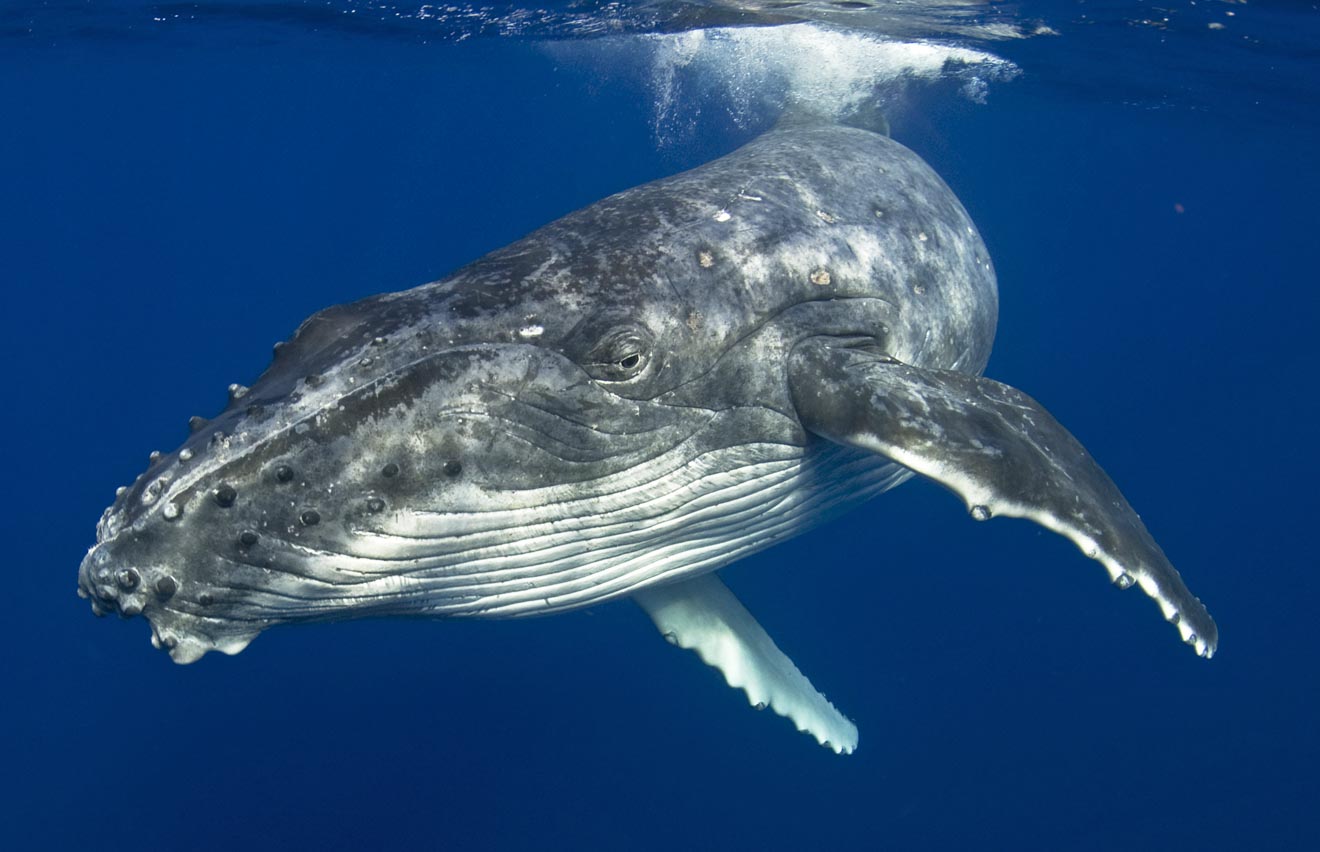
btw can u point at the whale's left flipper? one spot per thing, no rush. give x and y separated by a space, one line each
997 449
703 615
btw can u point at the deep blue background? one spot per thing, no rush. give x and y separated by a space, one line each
169 210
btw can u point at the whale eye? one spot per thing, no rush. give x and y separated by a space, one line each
623 353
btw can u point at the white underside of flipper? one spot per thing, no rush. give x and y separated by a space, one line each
1000 451
702 615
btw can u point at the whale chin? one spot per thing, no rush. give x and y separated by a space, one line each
185 647
130 590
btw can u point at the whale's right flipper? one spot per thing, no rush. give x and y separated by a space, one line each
997 449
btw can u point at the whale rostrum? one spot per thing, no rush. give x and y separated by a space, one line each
618 405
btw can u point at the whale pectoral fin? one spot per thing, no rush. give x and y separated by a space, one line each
702 615
997 449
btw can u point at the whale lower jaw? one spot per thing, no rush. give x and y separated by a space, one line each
186 648
552 556
729 512
655 524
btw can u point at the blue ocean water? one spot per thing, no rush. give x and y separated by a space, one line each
181 184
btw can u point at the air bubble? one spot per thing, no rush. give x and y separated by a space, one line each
171 512
980 513
1124 581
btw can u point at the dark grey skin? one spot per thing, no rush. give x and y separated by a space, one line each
625 400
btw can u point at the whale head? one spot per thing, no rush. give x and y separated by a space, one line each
393 447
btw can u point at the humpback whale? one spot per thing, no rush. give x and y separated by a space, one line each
617 406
